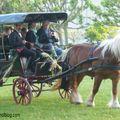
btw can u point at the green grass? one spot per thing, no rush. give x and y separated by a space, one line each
49 106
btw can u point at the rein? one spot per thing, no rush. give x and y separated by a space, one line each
71 70
106 66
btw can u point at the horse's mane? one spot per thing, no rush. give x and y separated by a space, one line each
113 46
64 55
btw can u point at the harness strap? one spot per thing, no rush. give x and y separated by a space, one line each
92 49
107 66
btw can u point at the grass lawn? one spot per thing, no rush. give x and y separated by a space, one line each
49 105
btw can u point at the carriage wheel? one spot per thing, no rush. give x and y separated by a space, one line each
64 94
36 89
22 92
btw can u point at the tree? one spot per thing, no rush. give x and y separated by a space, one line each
106 20
107 12
72 7
99 32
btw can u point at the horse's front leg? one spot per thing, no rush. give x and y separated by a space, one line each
75 96
97 82
114 103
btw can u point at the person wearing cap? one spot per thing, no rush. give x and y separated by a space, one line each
16 42
45 38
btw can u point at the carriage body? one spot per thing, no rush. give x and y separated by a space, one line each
7 54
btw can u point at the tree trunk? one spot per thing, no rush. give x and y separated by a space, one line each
60 36
66 33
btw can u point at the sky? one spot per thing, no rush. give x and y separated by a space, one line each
97 2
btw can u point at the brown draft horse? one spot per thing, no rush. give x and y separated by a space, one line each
108 53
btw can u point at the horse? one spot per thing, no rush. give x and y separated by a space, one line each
108 53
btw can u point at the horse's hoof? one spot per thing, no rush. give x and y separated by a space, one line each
76 103
90 104
76 99
114 105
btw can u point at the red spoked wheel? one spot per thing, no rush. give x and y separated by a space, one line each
64 94
36 89
22 92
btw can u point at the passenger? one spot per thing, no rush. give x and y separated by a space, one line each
31 34
31 38
45 38
7 32
56 46
18 44
23 32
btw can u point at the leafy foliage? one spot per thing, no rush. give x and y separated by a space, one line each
98 32
107 11
106 19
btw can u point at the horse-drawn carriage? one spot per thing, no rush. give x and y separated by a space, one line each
46 72
84 59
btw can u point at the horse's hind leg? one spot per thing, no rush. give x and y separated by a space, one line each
97 82
75 96
114 103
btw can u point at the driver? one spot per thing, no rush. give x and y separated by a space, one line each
17 43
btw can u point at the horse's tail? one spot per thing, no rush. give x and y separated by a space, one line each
64 58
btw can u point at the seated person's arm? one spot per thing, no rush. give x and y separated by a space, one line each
15 41
12 40
42 38
30 37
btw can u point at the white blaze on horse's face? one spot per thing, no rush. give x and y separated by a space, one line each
75 98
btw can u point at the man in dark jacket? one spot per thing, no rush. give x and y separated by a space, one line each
6 34
45 38
17 43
